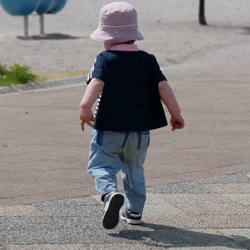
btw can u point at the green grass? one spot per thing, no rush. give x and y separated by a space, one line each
15 74
18 74
9 79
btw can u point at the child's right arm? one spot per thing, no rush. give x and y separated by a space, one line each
92 92
168 98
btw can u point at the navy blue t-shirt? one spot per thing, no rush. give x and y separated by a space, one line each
130 100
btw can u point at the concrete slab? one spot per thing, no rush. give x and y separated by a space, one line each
241 236
19 211
193 239
196 199
156 206
230 188
201 221
243 199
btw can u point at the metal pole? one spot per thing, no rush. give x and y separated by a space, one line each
42 24
202 18
26 26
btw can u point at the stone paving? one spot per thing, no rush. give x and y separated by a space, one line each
211 213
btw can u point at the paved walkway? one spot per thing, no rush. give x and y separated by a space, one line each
197 179
211 213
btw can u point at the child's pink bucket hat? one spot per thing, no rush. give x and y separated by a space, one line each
117 23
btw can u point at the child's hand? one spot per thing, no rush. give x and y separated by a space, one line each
86 116
177 122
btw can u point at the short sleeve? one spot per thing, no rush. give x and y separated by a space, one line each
156 73
97 70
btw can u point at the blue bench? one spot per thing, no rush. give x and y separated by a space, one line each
26 7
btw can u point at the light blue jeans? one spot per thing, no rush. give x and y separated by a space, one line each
111 152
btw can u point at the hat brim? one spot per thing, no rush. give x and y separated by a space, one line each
116 37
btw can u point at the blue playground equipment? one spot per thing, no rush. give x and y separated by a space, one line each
26 7
19 7
57 6
44 6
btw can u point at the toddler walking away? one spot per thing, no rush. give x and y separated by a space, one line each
130 87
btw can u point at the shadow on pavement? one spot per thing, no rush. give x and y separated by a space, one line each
165 236
53 36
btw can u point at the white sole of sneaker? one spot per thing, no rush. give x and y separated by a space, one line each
130 221
112 208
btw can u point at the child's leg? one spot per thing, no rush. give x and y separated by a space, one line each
133 172
104 161
104 164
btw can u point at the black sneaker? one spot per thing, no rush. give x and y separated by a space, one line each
112 204
131 217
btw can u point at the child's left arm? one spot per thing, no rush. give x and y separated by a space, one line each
171 103
92 92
